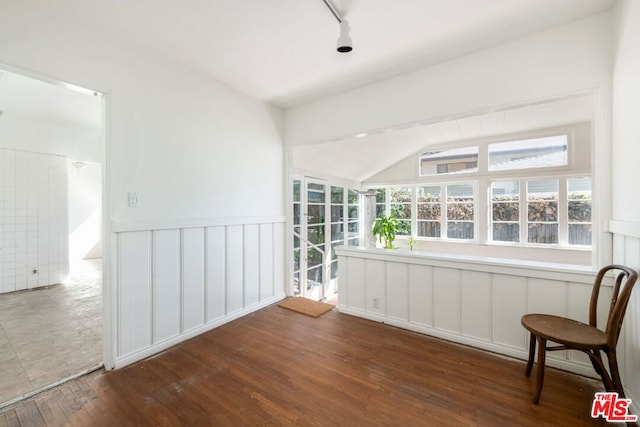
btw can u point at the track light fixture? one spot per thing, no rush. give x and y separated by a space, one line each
344 44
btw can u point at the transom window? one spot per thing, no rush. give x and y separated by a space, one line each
523 191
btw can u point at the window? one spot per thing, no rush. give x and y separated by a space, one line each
456 160
429 211
401 208
381 197
529 153
460 211
542 211
337 226
353 199
505 211
579 211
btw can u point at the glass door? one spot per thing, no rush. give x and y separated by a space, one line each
314 257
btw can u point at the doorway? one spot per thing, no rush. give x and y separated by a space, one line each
325 215
52 146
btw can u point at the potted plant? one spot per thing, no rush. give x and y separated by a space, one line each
385 228
411 242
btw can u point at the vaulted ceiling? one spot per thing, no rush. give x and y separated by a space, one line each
284 52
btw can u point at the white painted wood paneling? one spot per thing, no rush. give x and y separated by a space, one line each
193 267
446 299
421 294
235 268
216 273
397 290
356 291
279 281
462 301
166 284
266 261
134 292
375 285
509 305
173 284
475 299
251 264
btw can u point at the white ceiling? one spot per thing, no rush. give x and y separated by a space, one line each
380 150
283 51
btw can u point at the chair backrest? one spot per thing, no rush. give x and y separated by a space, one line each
625 278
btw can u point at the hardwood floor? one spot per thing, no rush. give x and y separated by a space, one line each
277 367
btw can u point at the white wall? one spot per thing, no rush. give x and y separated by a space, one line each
21 133
85 210
190 146
626 152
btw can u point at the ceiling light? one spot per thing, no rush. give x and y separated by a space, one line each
345 44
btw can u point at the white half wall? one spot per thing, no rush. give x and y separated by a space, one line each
176 282
475 301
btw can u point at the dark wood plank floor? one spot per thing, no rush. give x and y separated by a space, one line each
277 367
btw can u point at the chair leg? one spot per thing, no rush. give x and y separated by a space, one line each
598 365
542 349
532 352
615 373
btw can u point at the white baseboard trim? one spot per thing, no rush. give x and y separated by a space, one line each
163 345
522 354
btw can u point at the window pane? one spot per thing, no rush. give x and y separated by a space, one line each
529 153
580 234
404 228
380 194
543 233
460 230
460 202
296 259
401 207
337 194
334 270
296 213
334 256
315 196
353 228
429 203
579 211
353 212
314 257
354 242
379 210
315 234
542 200
504 232
337 212
315 214
428 229
456 160
337 232
314 277
296 190
353 197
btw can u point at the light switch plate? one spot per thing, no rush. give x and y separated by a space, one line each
134 199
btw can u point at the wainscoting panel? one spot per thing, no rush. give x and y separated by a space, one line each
193 268
134 292
166 284
626 251
473 301
216 273
174 283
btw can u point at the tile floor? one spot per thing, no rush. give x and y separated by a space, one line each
51 333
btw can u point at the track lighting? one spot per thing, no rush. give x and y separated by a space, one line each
345 44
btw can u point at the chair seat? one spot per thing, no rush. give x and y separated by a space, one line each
565 331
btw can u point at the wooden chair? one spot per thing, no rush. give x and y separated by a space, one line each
574 335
